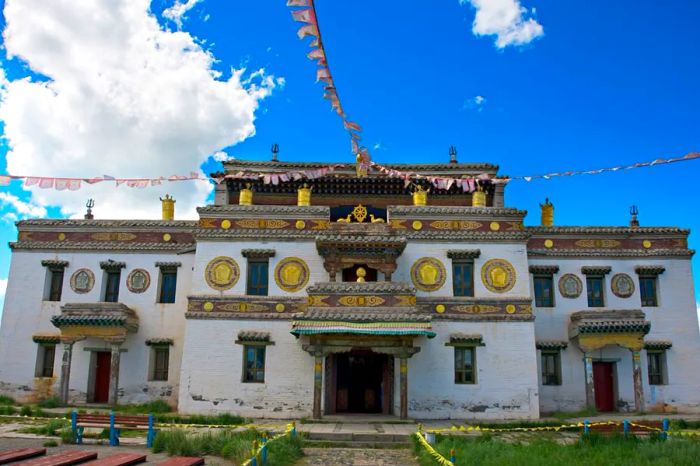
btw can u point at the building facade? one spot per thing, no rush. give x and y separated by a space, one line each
356 294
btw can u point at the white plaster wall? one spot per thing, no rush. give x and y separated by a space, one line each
515 253
206 251
675 319
25 313
213 369
506 387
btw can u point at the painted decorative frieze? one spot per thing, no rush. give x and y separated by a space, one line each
498 275
222 273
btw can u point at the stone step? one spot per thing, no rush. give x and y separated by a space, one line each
357 444
375 437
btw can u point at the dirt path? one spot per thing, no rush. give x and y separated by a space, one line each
357 457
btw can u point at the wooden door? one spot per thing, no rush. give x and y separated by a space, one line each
103 363
603 384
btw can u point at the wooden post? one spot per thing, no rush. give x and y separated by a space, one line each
588 368
637 374
65 370
403 378
114 373
318 385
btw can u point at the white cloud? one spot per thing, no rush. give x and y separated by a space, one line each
221 156
19 208
507 20
474 103
125 97
177 12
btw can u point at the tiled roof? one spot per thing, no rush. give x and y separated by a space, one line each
466 338
423 211
638 231
96 314
362 328
101 246
363 288
168 265
54 263
49 338
544 269
258 253
112 265
159 341
613 321
551 344
463 253
253 335
657 345
375 315
650 269
596 269
610 252
108 223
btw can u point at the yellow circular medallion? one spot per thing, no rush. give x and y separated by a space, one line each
226 224
292 274
300 224
208 306
510 308
222 273
646 243
417 224
498 275
428 274
440 308
61 236
279 307
242 307
167 237
548 243
495 226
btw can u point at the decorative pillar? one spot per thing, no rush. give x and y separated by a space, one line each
588 368
637 374
65 370
318 385
403 380
114 372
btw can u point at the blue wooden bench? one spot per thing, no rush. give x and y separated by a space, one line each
115 422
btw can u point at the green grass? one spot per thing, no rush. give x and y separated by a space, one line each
6 400
49 403
564 415
595 450
234 446
8 410
152 407
223 419
50 443
52 428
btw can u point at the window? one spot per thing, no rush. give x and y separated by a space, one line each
594 285
112 278
465 365
161 361
55 284
463 278
254 363
656 367
647 289
257 277
551 368
168 285
544 290
44 360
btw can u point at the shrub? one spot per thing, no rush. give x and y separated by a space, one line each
6 400
8 410
25 411
49 403
67 436
152 407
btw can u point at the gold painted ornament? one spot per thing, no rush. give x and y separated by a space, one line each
622 285
440 308
498 275
222 273
82 281
428 274
292 274
570 286
495 226
226 224
208 306
548 243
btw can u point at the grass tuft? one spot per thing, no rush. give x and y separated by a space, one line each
6 400
49 403
152 407
52 428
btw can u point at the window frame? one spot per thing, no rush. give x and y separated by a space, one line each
55 286
556 355
600 278
464 380
252 377
661 370
550 278
108 293
467 288
654 280
42 368
171 295
160 374
259 290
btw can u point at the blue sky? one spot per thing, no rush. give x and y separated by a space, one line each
606 83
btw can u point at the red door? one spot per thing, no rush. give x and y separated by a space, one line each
103 362
603 386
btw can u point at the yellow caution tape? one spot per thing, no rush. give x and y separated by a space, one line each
287 431
438 457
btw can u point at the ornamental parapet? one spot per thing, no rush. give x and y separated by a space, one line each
493 223
368 295
100 320
593 330
227 219
481 309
